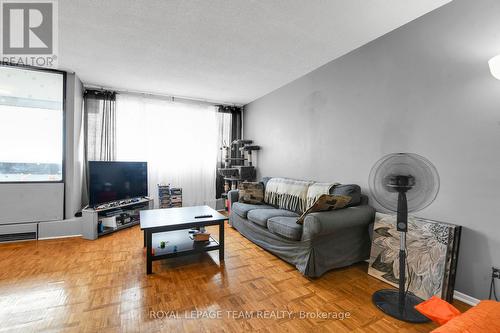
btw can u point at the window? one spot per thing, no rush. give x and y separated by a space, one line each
178 140
31 125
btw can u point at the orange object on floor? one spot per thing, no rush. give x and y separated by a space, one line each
438 310
484 317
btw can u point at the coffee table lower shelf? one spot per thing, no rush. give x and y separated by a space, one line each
178 243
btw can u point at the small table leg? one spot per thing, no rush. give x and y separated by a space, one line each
149 248
145 241
221 241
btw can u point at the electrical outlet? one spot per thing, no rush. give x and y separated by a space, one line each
495 272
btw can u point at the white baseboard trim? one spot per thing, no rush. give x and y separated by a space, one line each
58 237
465 298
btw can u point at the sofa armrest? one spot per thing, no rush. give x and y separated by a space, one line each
233 196
324 223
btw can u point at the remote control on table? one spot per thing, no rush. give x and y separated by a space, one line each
202 216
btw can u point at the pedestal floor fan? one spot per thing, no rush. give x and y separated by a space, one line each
402 182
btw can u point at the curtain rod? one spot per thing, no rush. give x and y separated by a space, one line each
159 96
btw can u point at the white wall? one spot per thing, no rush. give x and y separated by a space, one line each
423 88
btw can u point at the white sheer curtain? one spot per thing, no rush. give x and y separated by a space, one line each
178 140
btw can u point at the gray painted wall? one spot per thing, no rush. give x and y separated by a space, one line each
423 88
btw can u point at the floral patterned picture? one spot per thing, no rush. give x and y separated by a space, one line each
432 249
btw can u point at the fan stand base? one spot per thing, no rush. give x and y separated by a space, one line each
387 300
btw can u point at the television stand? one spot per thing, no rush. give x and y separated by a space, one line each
122 213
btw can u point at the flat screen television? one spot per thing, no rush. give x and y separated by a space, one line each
112 181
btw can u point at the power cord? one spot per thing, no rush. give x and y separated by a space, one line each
495 274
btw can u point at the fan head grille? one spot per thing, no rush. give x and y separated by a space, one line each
387 174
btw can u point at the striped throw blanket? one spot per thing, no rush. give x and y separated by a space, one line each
316 190
287 194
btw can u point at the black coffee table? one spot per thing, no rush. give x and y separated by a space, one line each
172 225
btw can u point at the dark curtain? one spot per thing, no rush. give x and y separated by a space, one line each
99 130
230 128
100 121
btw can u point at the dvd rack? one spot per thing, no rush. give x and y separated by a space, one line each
169 197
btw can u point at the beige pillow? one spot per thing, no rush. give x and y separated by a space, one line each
326 202
251 193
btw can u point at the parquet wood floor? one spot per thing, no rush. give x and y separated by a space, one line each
75 285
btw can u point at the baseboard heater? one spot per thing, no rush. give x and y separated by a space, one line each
18 232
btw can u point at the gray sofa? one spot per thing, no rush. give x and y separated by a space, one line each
325 241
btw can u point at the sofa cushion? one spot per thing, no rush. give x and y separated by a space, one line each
326 202
285 227
260 216
265 180
242 209
251 193
351 190
316 190
480 318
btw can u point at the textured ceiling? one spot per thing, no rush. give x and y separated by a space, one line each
232 50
